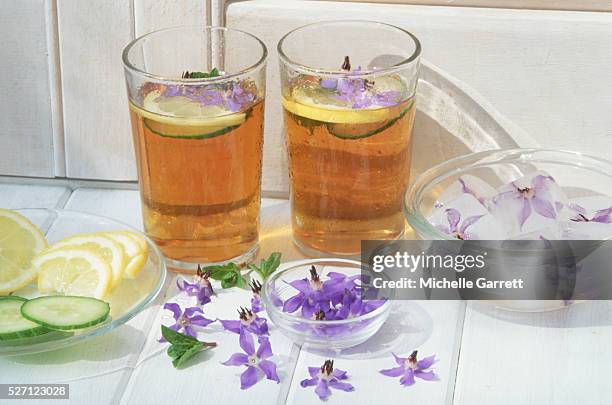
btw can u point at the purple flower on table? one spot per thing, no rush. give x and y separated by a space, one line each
326 377
410 367
248 321
311 296
200 288
456 227
256 305
603 216
257 362
187 319
535 197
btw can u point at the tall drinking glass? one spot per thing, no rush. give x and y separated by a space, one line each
196 97
348 92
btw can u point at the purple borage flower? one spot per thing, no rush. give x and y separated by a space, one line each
535 197
257 362
326 377
256 305
411 367
248 321
357 92
234 96
186 320
603 216
454 229
200 288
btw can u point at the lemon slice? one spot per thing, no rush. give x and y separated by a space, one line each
20 241
111 251
163 114
73 271
135 251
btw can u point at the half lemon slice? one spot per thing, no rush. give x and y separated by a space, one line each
73 271
20 242
135 248
110 251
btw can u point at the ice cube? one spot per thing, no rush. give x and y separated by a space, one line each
529 205
467 184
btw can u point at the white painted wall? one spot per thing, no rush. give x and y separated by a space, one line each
63 105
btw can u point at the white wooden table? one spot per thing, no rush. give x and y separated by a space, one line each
486 356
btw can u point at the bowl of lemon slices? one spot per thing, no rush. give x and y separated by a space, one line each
67 276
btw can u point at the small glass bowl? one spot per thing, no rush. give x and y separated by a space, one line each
577 174
334 334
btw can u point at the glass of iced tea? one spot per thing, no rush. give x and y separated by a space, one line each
196 98
348 92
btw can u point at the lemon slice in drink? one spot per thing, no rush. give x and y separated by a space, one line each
73 271
135 251
110 251
181 117
20 241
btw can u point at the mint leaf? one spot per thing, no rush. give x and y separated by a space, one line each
183 347
201 75
229 275
267 266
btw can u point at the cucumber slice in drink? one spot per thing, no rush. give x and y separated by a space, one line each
66 313
12 324
360 131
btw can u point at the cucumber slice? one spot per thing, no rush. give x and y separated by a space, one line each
213 134
360 131
12 324
65 312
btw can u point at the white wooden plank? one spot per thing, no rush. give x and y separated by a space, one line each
576 5
526 63
431 327
32 196
151 15
98 139
560 357
26 137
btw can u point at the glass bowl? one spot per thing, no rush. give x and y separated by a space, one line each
320 334
577 174
126 301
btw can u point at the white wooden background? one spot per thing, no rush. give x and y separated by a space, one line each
63 106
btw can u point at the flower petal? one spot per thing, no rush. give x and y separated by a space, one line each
246 342
393 372
341 386
426 375
314 371
407 378
453 217
293 303
399 360
322 390
309 382
525 212
469 222
199 320
248 378
175 308
302 285
269 370
426 362
232 326
339 374
265 350
543 207
237 359
189 312
189 331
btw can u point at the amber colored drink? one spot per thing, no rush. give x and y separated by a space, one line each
349 171
200 180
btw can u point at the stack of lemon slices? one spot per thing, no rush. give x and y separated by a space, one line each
87 265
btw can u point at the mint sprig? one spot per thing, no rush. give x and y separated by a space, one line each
267 266
201 75
229 275
183 347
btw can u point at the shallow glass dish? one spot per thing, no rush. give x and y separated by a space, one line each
577 174
126 300
321 334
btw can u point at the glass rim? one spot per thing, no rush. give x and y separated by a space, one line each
128 65
339 73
